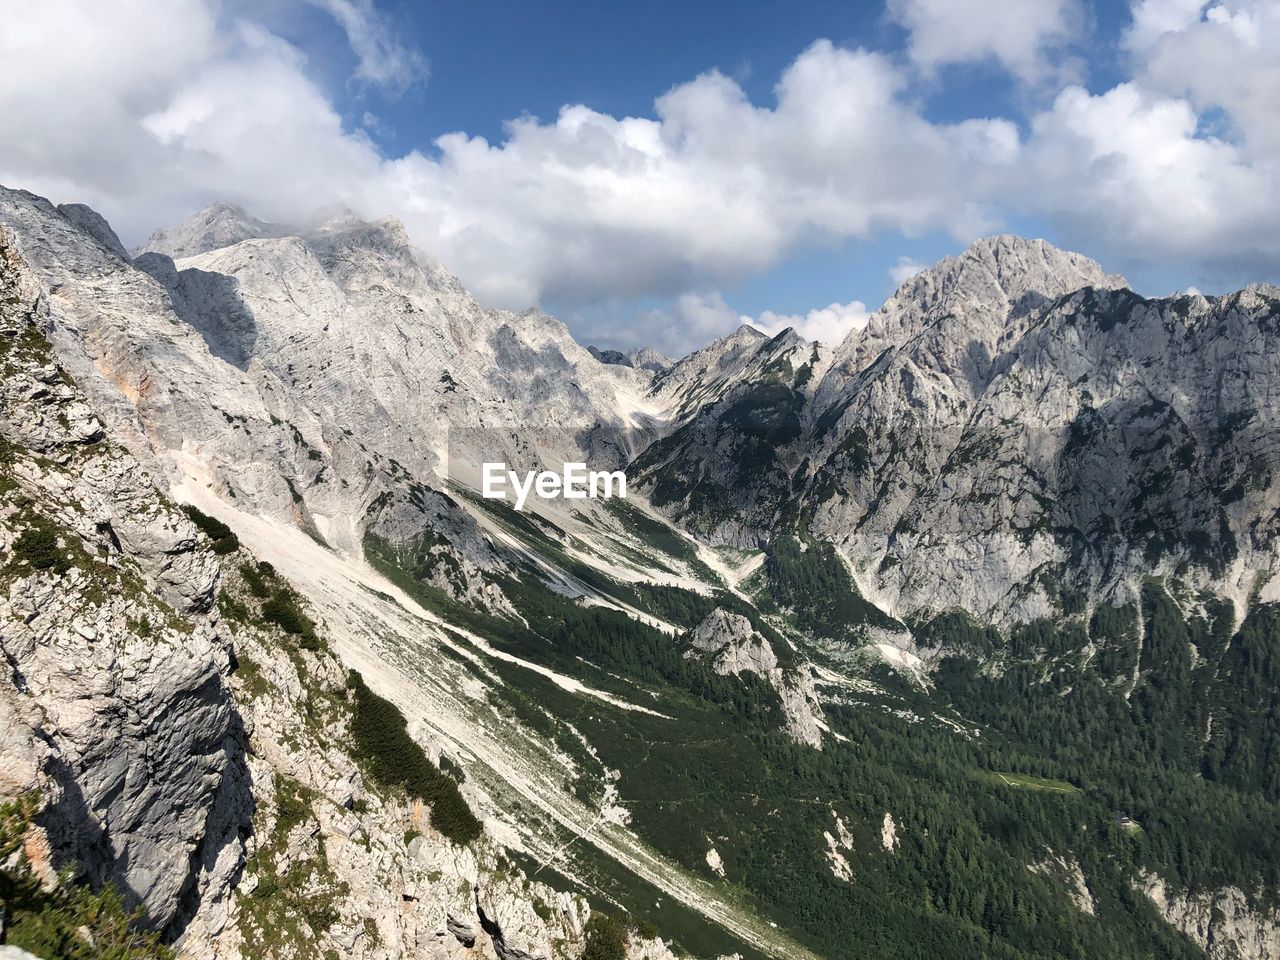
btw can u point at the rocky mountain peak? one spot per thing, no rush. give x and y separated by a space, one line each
219 225
975 299
94 224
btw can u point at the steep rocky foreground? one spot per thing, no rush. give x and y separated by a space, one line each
161 735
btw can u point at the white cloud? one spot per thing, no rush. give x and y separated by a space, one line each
1128 172
828 325
1181 163
715 187
1225 59
576 209
1026 37
904 270
383 59
1152 19
691 320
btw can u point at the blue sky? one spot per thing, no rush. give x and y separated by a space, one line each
493 61
657 172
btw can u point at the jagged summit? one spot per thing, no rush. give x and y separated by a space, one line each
219 225
978 295
1011 266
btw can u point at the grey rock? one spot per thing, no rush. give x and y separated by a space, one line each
128 731
94 224
464 932
735 647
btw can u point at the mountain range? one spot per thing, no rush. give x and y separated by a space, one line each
960 638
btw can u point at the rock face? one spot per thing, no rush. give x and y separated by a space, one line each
1012 427
1223 924
735 647
322 378
94 224
1067 872
115 703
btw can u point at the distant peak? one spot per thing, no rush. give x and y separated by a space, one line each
749 332
1006 268
224 208
218 225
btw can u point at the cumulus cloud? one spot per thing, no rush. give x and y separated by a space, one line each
1152 19
712 188
1179 162
1128 170
827 325
382 59
1223 57
693 319
1026 37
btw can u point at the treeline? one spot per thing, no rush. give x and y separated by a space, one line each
809 578
395 759
1135 732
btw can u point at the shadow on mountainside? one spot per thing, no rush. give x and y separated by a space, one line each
211 303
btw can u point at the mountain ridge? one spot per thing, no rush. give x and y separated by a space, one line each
1003 559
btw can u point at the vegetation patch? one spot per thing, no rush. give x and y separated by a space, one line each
39 548
71 921
224 541
395 759
808 577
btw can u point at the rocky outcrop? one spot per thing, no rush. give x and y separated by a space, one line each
734 647
1066 871
839 845
1224 924
734 644
114 697
889 833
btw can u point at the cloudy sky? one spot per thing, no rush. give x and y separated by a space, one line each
655 172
